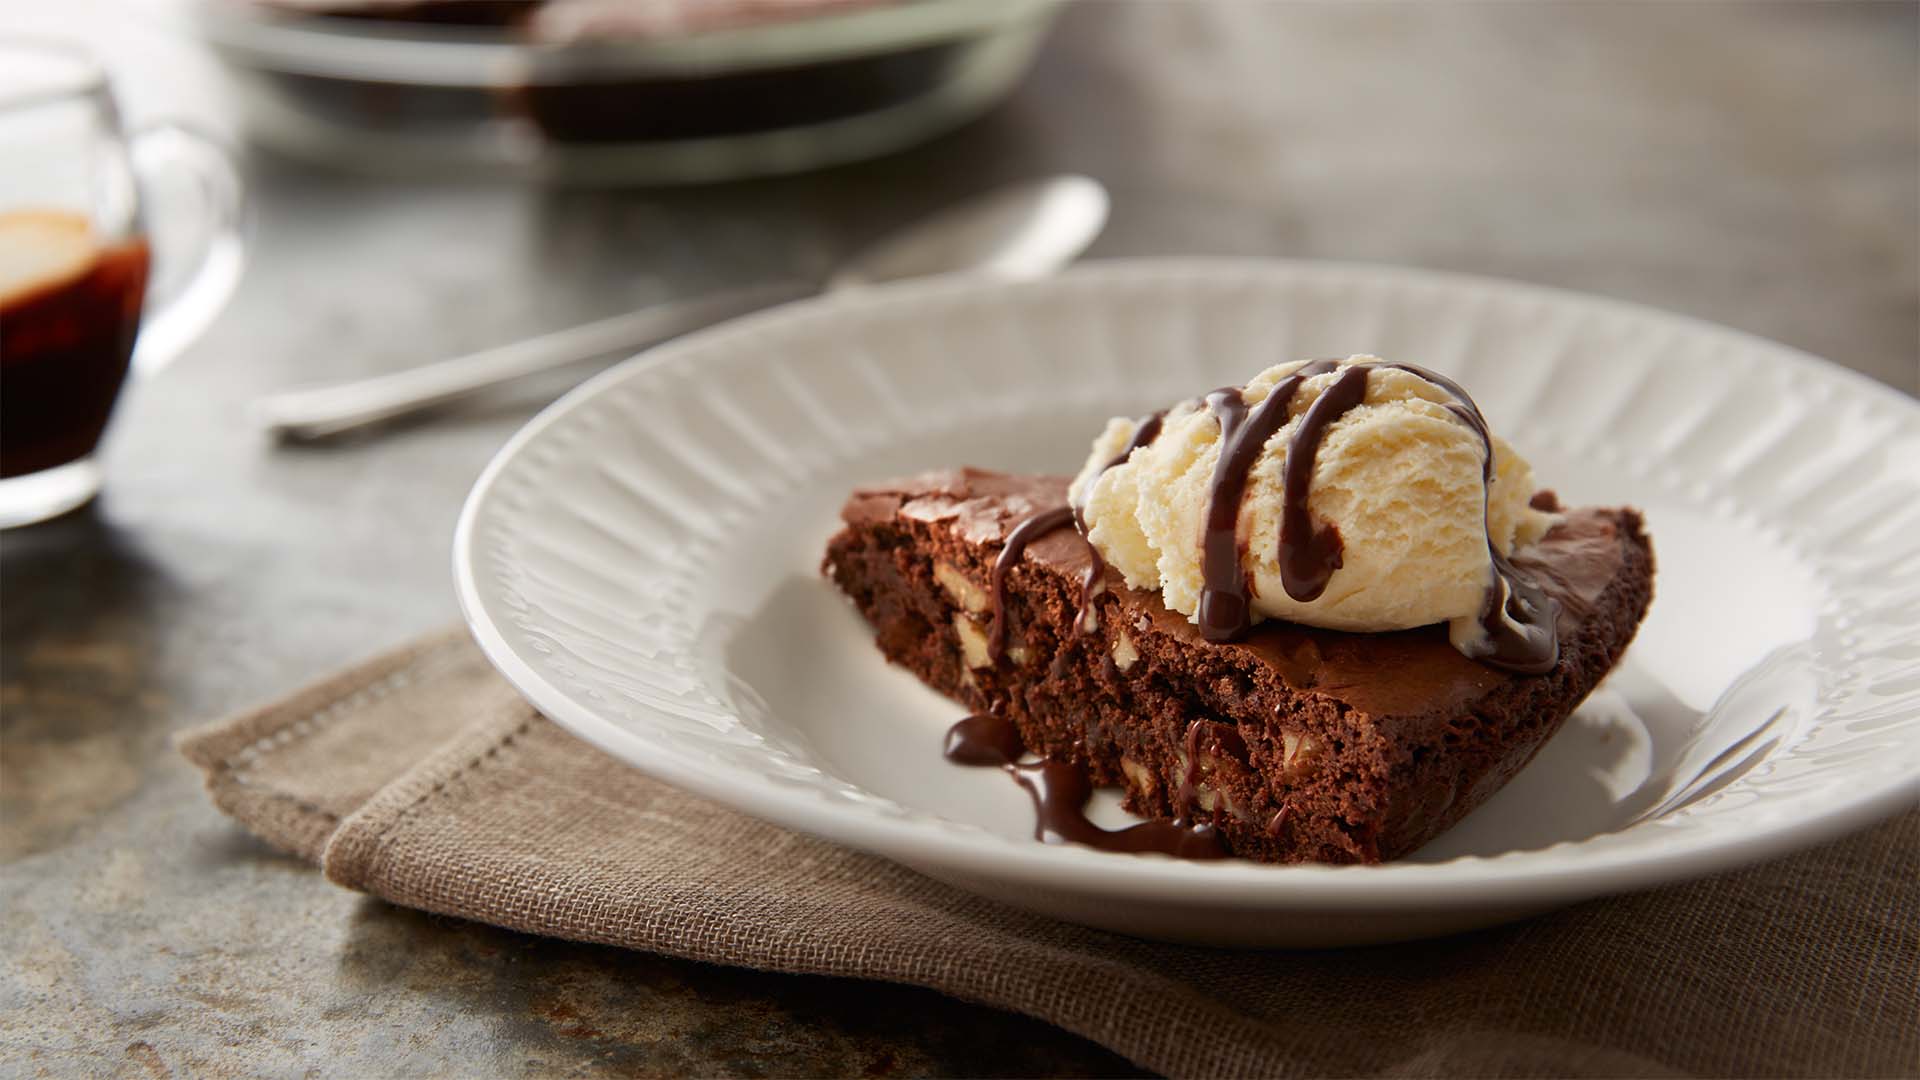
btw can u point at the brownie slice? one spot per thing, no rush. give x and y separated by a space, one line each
1297 744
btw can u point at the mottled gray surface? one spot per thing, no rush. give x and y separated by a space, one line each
1757 165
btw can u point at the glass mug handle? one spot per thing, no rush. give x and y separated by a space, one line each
191 198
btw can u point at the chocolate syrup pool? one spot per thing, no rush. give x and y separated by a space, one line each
1060 790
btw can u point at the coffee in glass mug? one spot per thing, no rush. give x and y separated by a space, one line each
70 309
76 312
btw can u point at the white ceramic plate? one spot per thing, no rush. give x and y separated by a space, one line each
642 562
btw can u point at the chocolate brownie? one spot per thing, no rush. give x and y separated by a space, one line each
1295 744
595 106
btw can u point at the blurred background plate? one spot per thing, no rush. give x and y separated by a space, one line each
367 85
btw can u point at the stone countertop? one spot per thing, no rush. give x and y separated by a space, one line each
1756 165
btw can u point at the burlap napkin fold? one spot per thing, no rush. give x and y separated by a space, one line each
422 778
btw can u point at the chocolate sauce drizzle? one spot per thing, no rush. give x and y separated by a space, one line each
983 739
1143 435
1087 619
1195 771
1518 616
1033 528
1060 790
1144 432
1310 552
1224 612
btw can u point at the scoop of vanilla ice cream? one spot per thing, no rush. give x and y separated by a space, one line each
1399 476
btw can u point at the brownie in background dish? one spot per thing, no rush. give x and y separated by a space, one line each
571 20
606 104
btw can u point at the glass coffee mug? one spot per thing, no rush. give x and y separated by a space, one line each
84 297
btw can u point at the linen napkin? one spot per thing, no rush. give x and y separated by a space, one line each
421 777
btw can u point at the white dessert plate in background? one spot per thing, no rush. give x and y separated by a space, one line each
641 561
